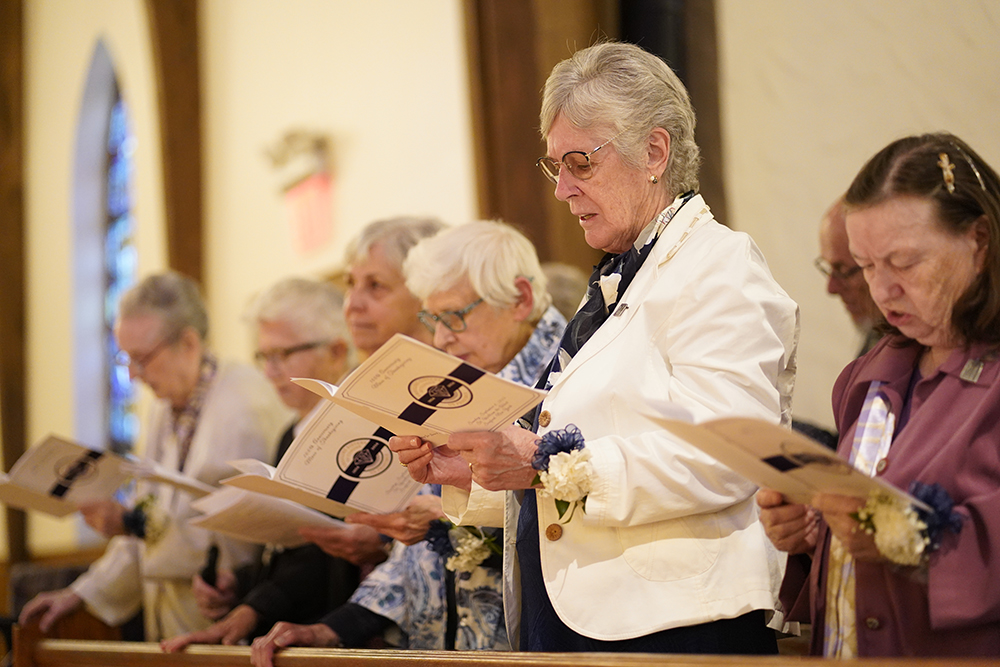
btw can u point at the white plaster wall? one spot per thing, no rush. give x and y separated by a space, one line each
386 79
810 89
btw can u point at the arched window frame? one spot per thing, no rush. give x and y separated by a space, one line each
102 257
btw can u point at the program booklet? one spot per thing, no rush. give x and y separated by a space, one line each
258 518
339 464
410 388
152 471
774 457
57 474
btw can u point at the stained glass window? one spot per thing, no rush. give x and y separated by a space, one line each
119 273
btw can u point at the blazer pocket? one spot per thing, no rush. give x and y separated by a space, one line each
672 550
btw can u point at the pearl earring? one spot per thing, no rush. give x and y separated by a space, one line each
653 179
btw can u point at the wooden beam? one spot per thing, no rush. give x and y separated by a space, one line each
30 650
503 75
703 86
174 33
563 28
511 47
13 347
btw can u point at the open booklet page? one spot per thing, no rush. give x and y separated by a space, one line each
155 472
258 518
413 389
775 457
339 463
55 475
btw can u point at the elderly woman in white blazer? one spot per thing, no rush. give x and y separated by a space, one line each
665 553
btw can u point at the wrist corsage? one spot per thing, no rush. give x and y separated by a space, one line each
903 533
463 548
145 521
564 469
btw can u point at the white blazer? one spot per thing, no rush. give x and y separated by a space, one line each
670 537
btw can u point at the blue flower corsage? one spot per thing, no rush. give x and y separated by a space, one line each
564 469
437 538
463 548
942 518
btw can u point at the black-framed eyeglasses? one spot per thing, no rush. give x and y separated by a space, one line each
139 364
577 162
454 320
279 355
835 270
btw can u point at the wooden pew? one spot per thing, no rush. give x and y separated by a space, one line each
32 650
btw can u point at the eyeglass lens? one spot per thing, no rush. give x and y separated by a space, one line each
454 320
576 162
836 270
280 355
450 319
123 358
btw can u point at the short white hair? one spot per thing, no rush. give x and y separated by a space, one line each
314 309
490 254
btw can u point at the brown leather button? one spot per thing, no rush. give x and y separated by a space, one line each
881 466
873 623
544 419
553 532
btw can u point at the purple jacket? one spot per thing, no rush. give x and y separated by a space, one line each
952 438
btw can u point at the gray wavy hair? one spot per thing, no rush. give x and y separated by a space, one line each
172 297
314 309
394 235
491 254
629 91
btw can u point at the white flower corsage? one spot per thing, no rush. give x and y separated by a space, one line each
609 288
564 469
895 526
463 548
904 534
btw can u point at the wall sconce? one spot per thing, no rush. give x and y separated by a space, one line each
302 161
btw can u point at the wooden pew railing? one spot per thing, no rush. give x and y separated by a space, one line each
31 649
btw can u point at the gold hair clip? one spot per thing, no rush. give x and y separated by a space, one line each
948 170
972 166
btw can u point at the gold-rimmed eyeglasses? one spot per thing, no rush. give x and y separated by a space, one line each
453 320
838 270
577 162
